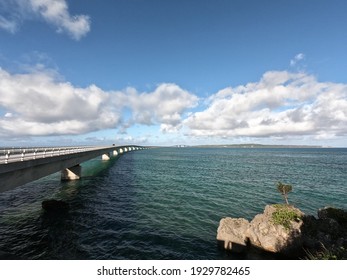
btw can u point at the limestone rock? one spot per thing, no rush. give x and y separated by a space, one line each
261 232
304 234
264 234
233 233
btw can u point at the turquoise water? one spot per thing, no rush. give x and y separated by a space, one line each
165 203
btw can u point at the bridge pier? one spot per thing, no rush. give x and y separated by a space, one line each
71 173
106 156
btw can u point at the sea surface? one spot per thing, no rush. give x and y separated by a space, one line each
165 203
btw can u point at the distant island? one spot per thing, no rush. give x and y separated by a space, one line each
250 146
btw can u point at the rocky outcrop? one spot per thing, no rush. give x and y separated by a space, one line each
291 236
265 234
232 232
55 206
326 237
262 232
339 215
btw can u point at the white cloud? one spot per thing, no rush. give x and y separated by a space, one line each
8 25
54 12
280 104
165 105
296 59
38 104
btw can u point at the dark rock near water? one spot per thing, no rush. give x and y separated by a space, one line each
327 235
55 206
339 215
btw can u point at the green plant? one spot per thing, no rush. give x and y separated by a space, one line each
284 189
284 215
327 254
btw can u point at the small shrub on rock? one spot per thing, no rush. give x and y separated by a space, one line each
284 189
284 215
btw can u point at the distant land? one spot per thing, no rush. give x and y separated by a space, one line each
251 146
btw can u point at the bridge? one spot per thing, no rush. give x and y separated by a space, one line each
19 166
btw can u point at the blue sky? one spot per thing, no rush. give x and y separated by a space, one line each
157 72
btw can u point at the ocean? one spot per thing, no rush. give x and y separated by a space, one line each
165 203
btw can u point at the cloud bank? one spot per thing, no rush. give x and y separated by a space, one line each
38 104
164 106
281 104
54 12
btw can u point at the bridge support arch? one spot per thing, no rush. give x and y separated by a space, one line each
106 156
71 173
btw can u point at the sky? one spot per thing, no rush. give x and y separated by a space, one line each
173 72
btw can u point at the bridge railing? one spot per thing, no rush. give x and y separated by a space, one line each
8 155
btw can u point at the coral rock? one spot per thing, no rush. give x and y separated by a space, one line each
233 233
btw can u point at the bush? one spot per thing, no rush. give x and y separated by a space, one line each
284 215
284 189
339 253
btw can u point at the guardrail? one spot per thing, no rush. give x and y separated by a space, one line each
8 155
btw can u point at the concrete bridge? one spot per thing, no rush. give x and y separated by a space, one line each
23 165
